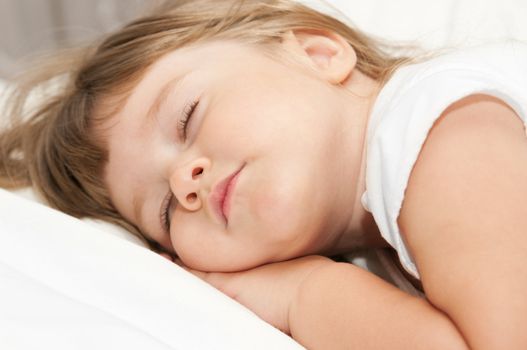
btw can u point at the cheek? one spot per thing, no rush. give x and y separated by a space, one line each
274 208
204 246
279 206
187 238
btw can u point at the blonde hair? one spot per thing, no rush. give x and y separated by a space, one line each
51 144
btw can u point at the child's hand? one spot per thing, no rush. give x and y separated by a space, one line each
267 290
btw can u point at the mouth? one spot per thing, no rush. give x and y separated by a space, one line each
221 195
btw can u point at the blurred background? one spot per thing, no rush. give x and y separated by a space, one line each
31 26
28 27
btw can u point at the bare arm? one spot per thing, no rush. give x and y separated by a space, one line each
328 305
465 221
341 306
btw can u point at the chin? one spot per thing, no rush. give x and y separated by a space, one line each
227 263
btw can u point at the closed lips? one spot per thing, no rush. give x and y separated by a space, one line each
222 193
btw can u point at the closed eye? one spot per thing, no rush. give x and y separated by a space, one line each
164 212
183 123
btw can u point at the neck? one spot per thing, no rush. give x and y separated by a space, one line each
359 229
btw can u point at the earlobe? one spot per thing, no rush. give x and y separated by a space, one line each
327 52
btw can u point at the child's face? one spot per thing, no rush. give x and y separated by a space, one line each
275 127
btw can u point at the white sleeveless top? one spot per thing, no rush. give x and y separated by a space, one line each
406 109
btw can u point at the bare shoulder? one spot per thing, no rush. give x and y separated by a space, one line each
475 153
464 216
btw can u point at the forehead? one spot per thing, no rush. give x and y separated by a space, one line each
205 54
213 56
216 58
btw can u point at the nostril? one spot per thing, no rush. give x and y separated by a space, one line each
197 172
191 198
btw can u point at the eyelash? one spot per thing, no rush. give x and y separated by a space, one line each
164 212
187 115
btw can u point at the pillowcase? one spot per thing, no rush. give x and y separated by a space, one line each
432 25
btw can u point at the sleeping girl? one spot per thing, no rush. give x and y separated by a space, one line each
249 140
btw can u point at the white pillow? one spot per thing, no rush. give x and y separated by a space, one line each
66 285
435 24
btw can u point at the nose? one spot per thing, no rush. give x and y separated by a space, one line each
186 182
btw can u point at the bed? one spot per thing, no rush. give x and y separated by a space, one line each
81 284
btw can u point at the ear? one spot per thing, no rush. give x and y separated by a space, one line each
325 51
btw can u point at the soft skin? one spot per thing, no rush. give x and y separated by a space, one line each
296 125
